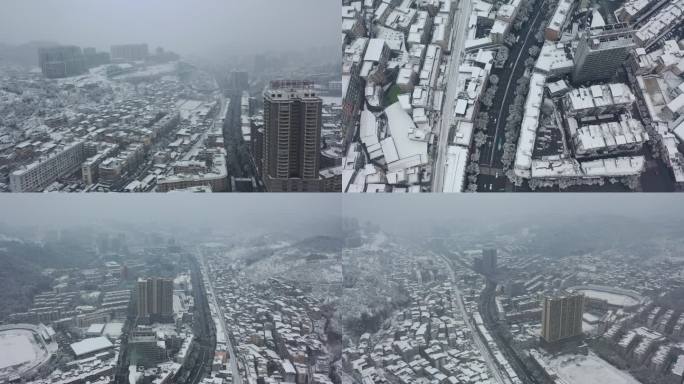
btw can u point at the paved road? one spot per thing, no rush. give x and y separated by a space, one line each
492 151
489 317
200 370
237 379
481 346
458 32
523 53
203 331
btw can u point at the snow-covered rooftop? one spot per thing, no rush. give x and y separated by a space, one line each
91 345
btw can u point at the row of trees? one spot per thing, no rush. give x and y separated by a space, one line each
516 109
631 182
513 120
501 56
488 98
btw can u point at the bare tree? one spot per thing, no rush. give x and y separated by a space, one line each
494 79
534 51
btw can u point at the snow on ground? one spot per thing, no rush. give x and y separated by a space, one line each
4 237
317 272
590 369
97 75
152 70
188 107
589 328
295 264
17 347
133 375
240 252
377 242
612 298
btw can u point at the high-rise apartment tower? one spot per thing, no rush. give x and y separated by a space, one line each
562 317
62 61
601 51
489 261
155 298
292 134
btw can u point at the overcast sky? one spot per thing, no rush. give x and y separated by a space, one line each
185 26
420 212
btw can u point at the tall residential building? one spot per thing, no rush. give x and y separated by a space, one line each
352 99
62 61
142 298
601 51
155 298
41 173
292 135
489 260
562 317
129 52
94 58
143 347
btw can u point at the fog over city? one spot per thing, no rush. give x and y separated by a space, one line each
414 214
187 27
275 213
167 95
507 289
177 213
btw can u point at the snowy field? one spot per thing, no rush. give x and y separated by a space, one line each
17 346
152 70
590 369
612 298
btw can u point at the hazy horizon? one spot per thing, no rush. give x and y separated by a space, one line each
414 213
189 28
261 213
288 211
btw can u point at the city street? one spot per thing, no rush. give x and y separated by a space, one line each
488 312
492 151
481 346
237 379
516 73
459 29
